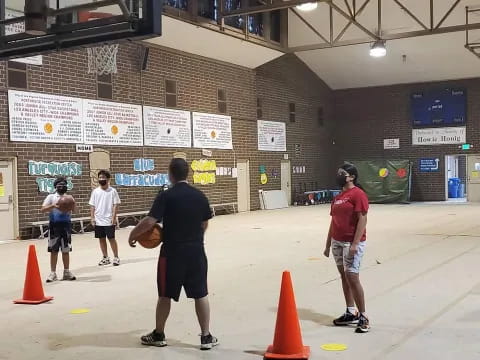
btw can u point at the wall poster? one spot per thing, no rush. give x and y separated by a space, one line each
111 123
271 136
167 127
36 117
212 131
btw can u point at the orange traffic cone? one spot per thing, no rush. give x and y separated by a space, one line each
287 342
33 289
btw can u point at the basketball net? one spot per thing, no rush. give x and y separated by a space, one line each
102 60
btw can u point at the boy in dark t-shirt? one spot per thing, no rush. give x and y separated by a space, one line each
184 212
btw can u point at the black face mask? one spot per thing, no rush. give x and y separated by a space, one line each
102 182
342 180
61 189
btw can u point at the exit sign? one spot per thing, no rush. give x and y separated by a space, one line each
467 146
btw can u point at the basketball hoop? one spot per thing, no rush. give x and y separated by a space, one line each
102 60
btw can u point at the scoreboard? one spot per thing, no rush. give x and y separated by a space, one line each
444 107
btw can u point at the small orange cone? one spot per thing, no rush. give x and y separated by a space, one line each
33 289
287 342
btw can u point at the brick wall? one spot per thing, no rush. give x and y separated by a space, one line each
285 80
364 117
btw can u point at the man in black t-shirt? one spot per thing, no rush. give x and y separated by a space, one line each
184 212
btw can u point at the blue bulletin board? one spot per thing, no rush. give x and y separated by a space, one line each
443 107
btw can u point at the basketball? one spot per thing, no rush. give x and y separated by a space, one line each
152 238
66 203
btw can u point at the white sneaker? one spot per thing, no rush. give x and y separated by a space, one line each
52 277
105 261
116 261
67 275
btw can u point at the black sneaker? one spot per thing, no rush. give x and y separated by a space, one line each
208 342
346 319
363 325
154 339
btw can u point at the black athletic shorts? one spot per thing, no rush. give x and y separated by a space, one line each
185 266
60 237
102 232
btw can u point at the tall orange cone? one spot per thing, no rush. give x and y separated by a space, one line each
33 289
287 342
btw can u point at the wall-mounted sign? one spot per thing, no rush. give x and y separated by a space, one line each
272 136
143 164
391 143
111 123
167 127
466 146
142 179
204 165
36 117
53 169
439 136
212 131
204 171
207 153
84 148
429 165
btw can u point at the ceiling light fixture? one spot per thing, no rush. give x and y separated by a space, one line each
307 6
378 49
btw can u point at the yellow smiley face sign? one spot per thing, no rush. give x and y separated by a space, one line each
263 179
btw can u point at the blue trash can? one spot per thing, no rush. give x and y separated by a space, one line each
453 188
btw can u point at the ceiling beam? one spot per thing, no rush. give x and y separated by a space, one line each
354 22
271 7
404 8
310 26
350 21
402 35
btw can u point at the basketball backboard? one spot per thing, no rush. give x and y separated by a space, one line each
30 27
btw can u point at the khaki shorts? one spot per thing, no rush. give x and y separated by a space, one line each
340 250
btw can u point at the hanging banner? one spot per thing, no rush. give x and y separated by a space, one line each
167 127
36 117
439 136
111 123
212 131
272 136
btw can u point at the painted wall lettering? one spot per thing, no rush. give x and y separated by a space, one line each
143 164
54 168
141 179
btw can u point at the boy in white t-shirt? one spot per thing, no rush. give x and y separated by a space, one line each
104 203
60 231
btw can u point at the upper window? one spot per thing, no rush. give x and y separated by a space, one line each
104 86
259 109
291 108
17 74
320 116
178 4
171 93
222 101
